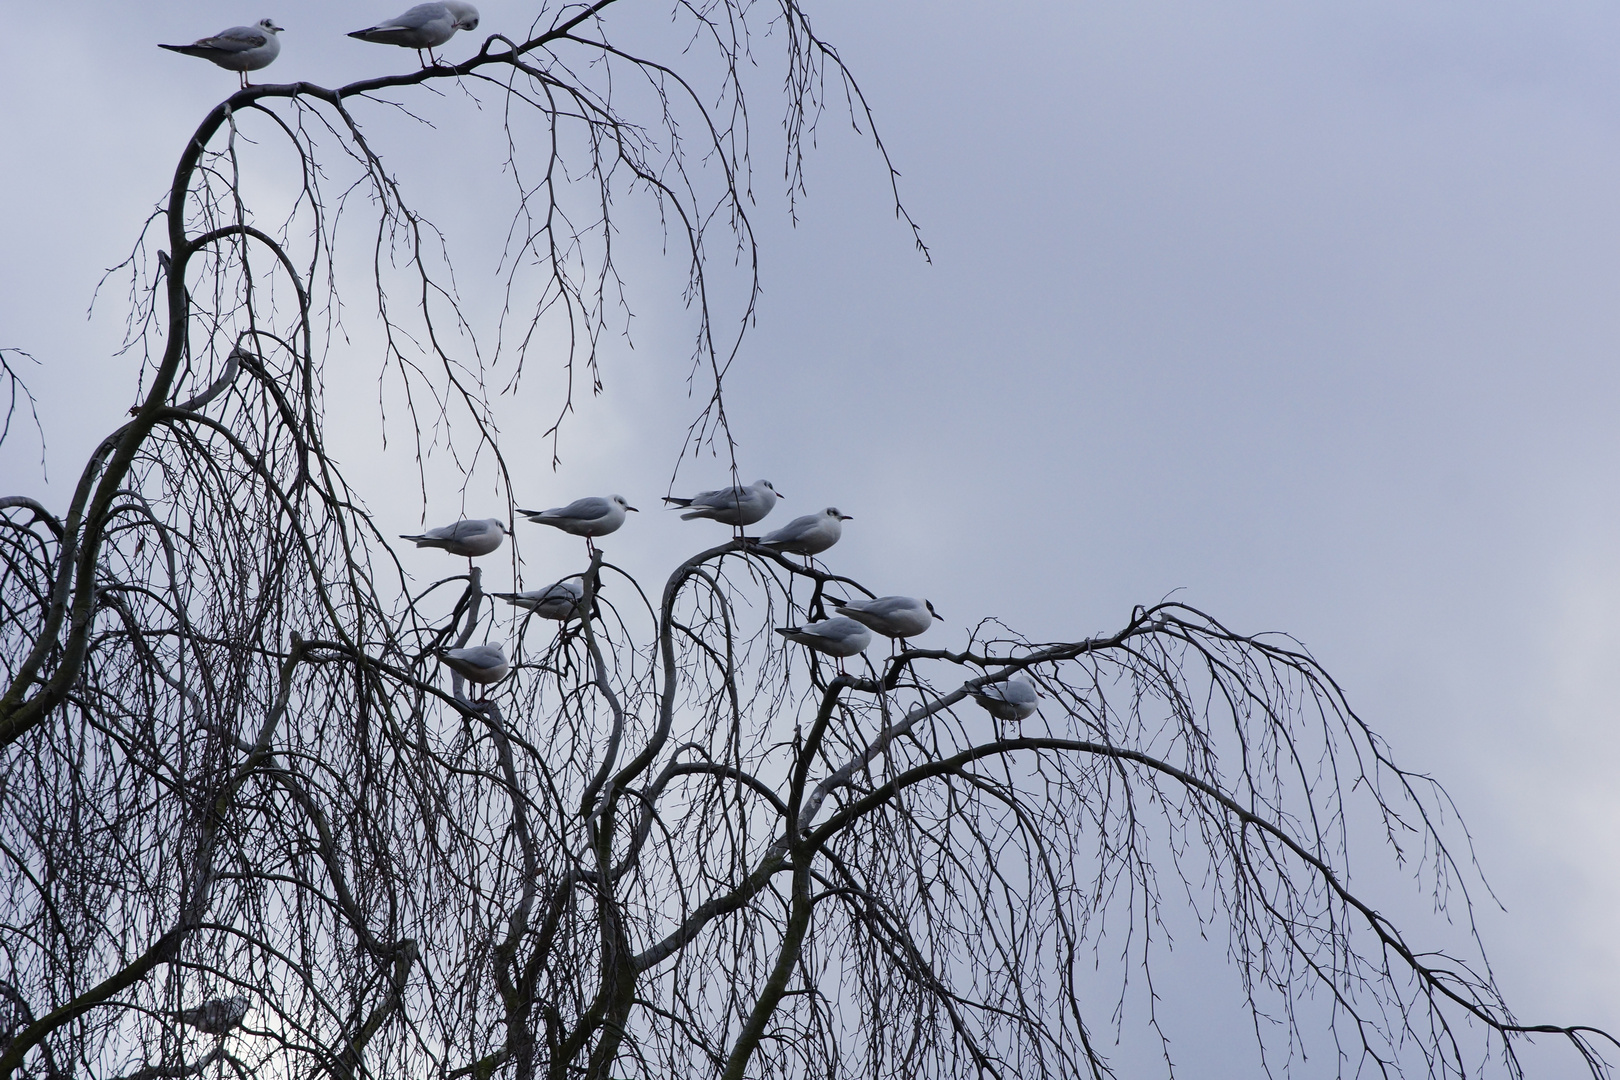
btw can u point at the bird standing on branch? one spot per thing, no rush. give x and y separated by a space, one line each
892 616
739 505
475 537
425 26
216 1016
584 517
561 601
809 535
838 637
481 664
1013 700
241 48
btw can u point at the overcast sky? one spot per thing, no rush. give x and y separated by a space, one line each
1303 312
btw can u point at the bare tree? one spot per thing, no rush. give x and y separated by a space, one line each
247 821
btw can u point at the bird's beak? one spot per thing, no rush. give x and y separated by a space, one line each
938 616
845 517
278 29
632 509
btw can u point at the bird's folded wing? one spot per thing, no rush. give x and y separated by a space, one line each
239 39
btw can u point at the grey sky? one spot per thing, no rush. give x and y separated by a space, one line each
1305 310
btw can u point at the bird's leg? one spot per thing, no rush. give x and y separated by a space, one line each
243 74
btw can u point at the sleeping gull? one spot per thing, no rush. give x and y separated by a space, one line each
738 505
809 535
584 517
241 48
1014 699
469 538
216 1016
891 616
482 664
838 637
424 26
560 601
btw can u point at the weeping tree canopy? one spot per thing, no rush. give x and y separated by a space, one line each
249 821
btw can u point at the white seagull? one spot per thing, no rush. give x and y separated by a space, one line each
469 538
241 48
216 1016
838 637
482 664
809 535
560 601
424 26
1014 699
738 505
584 517
891 616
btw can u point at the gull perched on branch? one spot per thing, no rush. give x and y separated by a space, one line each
738 505
560 601
424 26
1014 699
241 48
469 538
584 517
481 664
809 535
216 1016
839 637
891 616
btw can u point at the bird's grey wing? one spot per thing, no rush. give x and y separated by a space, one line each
235 40
720 498
793 530
465 530
414 19
588 509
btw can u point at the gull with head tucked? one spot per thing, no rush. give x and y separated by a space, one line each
240 49
481 664
584 517
1014 699
837 637
469 538
739 505
425 26
560 601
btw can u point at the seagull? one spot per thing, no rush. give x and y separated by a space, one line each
241 48
469 538
560 601
891 616
737 505
482 664
1014 699
584 517
809 535
423 27
838 637
216 1016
